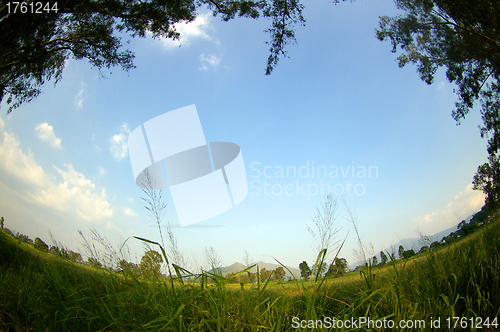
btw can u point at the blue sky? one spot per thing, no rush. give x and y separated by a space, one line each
340 101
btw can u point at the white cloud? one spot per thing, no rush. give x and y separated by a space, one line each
196 29
210 60
102 171
129 212
79 96
45 132
75 178
112 226
464 204
119 146
78 194
75 195
20 165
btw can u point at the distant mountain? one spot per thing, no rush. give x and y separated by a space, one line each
233 268
439 236
237 267
415 243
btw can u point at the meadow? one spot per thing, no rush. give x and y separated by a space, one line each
457 286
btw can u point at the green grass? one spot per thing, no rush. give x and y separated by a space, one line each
40 292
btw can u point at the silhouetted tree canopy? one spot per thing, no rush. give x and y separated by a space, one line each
279 274
338 267
40 245
34 47
305 270
487 179
383 258
464 38
401 250
151 263
408 253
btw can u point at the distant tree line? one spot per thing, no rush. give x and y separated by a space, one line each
150 264
464 228
40 245
277 274
336 269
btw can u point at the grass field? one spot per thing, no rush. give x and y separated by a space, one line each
41 292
